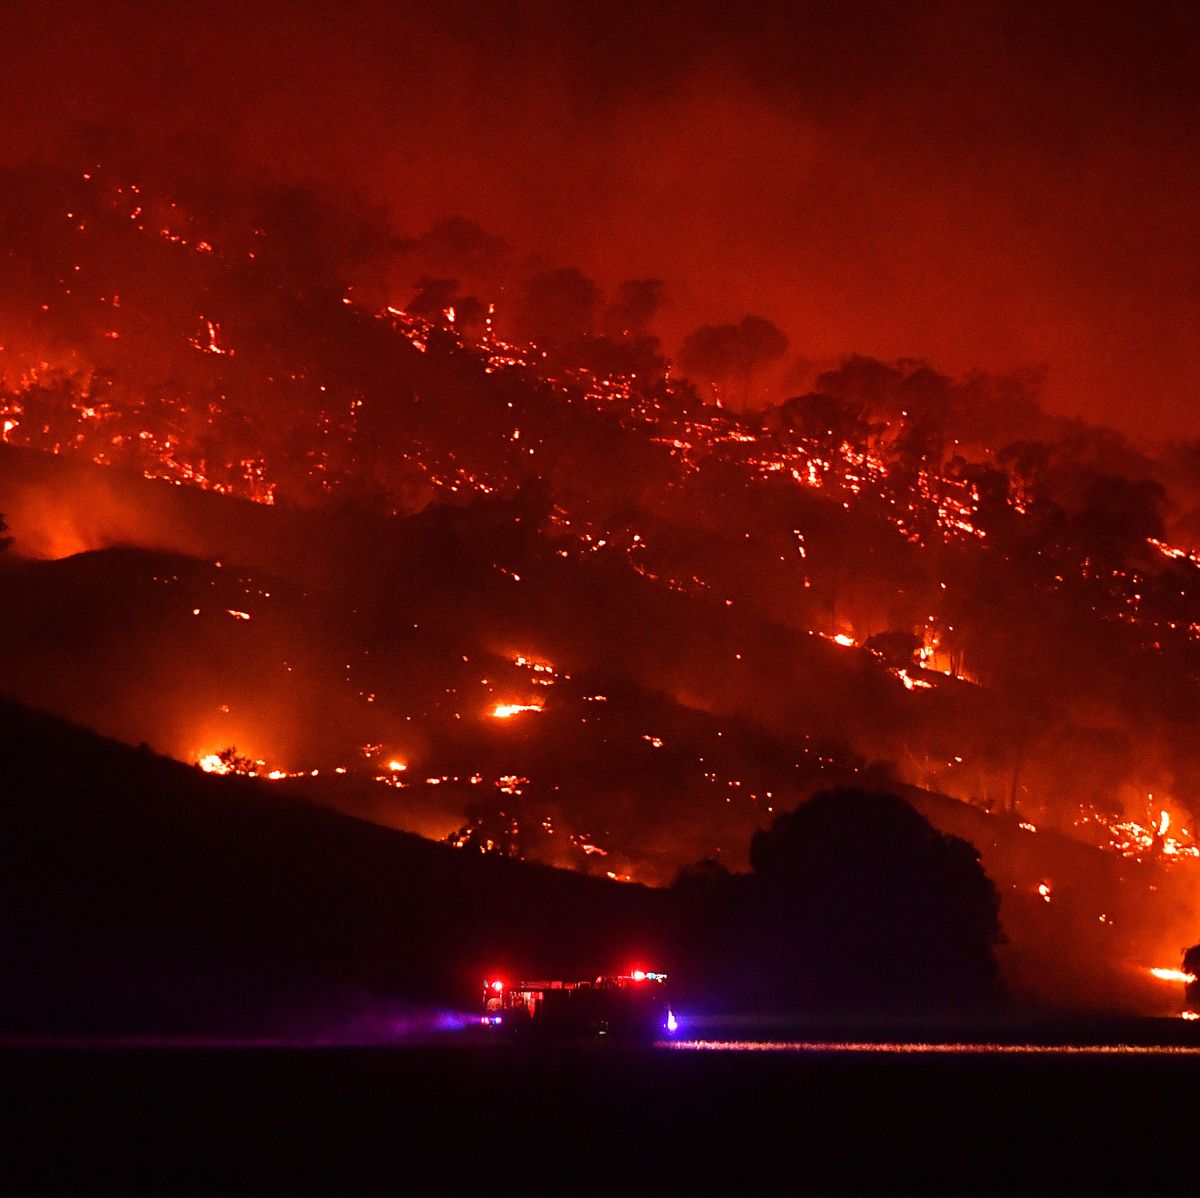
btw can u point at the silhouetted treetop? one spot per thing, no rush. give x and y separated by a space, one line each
871 907
557 307
732 353
897 648
637 302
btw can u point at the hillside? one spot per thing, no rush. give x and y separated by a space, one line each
142 895
447 543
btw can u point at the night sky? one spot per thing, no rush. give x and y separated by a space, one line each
1001 186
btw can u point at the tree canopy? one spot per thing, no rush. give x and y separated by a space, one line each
856 905
872 907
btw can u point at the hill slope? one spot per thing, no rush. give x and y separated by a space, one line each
142 895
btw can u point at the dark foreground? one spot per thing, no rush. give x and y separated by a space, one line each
587 1118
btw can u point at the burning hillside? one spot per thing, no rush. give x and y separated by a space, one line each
448 542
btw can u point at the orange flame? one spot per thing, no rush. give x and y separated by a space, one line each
1173 975
504 711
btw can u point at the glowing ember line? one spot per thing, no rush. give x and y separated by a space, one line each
504 711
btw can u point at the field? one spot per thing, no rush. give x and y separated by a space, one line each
581 1119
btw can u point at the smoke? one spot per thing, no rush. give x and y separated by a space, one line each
198 288
993 188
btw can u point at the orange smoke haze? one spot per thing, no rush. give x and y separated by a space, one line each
349 528
994 186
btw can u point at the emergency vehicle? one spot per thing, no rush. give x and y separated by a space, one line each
631 1006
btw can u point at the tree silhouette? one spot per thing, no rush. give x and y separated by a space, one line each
864 905
896 648
235 762
731 354
433 296
827 420
557 308
1191 965
5 541
637 302
1118 515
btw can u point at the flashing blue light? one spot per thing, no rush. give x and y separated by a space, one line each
672 1023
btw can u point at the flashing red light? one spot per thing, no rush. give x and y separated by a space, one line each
497 986
638 975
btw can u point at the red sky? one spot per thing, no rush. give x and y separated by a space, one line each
987 185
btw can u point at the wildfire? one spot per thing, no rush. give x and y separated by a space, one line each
209 341
1138 841
1172 975
229 761
544 674
178 439
504 711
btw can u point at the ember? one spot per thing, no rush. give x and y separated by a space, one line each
503 711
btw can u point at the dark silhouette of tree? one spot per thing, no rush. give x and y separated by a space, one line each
235 762
433 297
993 513
918 445
872 385
1191 964
896 648
828 421
864 905
313 246
710 353
1118 515
5 541
712 914
558 307
460 246
436 299
608 356
729 355
1027 463
927 400
638 301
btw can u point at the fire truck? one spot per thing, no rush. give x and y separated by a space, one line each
630 1006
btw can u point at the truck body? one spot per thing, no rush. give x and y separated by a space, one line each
632 1006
